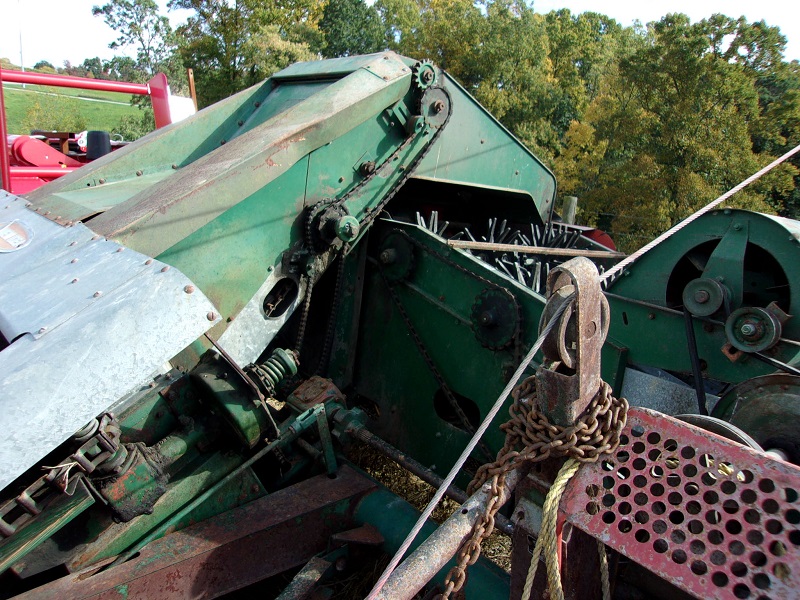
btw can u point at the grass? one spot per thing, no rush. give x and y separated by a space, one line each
96 115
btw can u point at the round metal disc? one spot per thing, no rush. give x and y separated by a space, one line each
768 409
396 257
495 318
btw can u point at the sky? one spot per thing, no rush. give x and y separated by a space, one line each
59 30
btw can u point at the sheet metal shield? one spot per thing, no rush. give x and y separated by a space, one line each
714 518
78 351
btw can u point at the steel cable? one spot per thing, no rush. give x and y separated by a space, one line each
465 454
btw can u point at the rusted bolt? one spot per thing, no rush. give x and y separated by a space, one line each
367 168
97 294
388 256
438 106
74 260
240 123
748 330
701 296
95 237
151 385
120 249
138 173
257 104
72 243
211 315
222 142
174 166
75 280
101 181
46 213
149 261
189 289
165 268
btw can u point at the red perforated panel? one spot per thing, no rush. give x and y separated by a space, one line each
713 517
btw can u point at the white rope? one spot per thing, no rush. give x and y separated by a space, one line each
463 458
711 205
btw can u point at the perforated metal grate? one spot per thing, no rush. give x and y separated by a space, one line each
714 518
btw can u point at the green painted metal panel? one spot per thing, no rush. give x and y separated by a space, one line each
476 149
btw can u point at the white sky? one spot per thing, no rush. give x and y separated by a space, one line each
59 30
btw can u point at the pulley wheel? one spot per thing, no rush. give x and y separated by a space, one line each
767 408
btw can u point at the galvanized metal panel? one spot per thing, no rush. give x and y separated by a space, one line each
80 352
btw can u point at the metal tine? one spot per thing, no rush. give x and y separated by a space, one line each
520 277
502 266
501 231
457 236
434 220
443 228
525 239
537 239
421 220
574 240
492 223
537 273
469 233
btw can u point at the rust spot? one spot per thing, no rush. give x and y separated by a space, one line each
270 162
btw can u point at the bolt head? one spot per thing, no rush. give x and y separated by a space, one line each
211 315
701 296
438 106
97 294
165 268
748 329
189 289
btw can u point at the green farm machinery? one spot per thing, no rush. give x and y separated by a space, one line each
202 329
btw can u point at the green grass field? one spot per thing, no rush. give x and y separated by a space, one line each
81 105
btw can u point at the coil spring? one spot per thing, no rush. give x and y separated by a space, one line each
281 364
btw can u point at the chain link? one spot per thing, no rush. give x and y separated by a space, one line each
99 452
531 438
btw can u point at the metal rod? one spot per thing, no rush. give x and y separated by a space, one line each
433 554
122 87
421 471
554 319
5 171
534 249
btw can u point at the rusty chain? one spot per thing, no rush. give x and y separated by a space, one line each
100 450
531 438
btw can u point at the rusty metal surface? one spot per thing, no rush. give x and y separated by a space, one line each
710 516
434 553
571 365
229 551
313 391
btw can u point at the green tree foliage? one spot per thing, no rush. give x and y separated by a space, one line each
645 124
140 25
675 126
351 27
232 45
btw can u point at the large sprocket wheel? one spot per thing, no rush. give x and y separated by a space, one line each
424 74
495 318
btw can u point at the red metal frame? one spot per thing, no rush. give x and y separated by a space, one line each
713 517
157 88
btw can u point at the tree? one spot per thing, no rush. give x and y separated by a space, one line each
139 24
675 121
222 41
351 27
45 66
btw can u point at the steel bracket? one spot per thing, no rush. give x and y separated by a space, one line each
569 376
